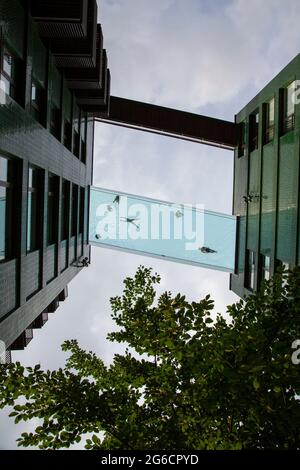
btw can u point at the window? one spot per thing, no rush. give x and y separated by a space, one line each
37 94
250 270
52 222
81 209
65 208
6 204
55 122
253 131
83 133
241 147
68 135
265 268
74 210
269 121
76 138
34 209
288 123
8 72
76 144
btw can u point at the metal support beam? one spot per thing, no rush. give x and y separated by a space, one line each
171 122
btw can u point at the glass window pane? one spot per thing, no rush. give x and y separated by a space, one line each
74 210
3 169
31 221
83 129
33 200
8 64
65 210
2 222
33 92
30 178
52 209
271 112
5 85
290 108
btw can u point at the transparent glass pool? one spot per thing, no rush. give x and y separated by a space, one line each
177 232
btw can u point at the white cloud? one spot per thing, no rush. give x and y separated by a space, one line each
185 55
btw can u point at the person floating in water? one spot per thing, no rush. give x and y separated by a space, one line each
131 220
205 249
97 236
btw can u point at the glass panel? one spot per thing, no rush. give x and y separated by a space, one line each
30 178
65 210
3 169
81 209
5 85
74 209
32 209
267 262
2 222
271 112
52 209
83 128
36 101
177 232
76 118
8 64
33 92
31 222
290 106
254 123
252 269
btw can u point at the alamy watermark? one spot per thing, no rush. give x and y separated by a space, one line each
151 221
296 354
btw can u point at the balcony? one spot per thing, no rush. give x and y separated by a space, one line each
289 123
269 134
23 340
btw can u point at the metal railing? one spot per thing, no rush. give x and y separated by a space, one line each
269 134
289 123
8 359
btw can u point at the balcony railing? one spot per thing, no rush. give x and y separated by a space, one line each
269 135
23 340
289 123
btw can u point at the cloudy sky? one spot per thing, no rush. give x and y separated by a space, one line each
205 56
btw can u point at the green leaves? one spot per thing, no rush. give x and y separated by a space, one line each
199 384
256 384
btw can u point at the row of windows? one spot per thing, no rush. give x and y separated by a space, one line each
287 120
72 204
264 265
73 138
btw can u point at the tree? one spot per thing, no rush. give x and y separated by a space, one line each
186 382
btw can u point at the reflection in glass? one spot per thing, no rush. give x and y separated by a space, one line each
7 64
3 169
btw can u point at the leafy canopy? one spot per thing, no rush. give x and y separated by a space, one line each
186 382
